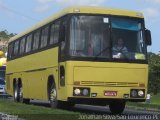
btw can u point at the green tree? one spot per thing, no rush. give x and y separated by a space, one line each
154 73
4 37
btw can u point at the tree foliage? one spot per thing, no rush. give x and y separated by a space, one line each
154 73
4 34
4 37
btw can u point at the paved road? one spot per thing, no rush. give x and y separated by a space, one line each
99 110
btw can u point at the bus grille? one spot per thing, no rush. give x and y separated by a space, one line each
109 84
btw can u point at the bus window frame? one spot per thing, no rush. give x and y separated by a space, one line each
66 19
67 56
39 49
143 33
75 58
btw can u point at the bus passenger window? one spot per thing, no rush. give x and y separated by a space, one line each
54 33
36 40
10 51
16 46
22 46
28 44
44 37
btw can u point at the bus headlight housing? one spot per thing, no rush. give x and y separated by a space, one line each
85 92
137 93
134 93
140 93
77 91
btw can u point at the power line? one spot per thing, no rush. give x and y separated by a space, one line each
17 13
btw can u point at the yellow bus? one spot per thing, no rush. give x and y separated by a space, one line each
84 55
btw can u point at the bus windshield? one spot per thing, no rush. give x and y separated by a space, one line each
107 37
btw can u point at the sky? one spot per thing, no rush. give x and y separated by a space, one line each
18 15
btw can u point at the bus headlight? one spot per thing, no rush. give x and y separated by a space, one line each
85 92
137 93
77 91
133 93
140 93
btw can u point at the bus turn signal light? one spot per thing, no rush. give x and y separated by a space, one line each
76 82
141 85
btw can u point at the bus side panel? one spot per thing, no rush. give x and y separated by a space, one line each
34 71
49 72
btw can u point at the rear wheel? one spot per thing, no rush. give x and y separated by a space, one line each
117 107
15 92
20 96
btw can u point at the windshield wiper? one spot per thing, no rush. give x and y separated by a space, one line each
95 58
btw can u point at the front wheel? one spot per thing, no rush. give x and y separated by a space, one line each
54 102
117 107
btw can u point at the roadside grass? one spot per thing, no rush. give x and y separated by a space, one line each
154 103
31 112
155 99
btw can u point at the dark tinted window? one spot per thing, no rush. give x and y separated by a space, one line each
44 37
52 34
16 46
55 33
22 46
28 43
10 50
36 39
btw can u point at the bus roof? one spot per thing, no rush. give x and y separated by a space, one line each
80 9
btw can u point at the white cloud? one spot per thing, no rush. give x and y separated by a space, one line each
44 1
156 1
151 15
44 5
80 2
151 12
153 1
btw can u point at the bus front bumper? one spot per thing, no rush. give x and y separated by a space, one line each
137 94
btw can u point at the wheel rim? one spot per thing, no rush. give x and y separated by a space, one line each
53 95
15 93
21 94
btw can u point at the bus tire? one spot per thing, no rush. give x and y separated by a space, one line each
20 95
117 107
15 91
26 101
54 102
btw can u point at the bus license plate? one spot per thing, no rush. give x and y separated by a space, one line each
110 93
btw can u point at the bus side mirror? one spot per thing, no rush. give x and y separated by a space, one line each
148 37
